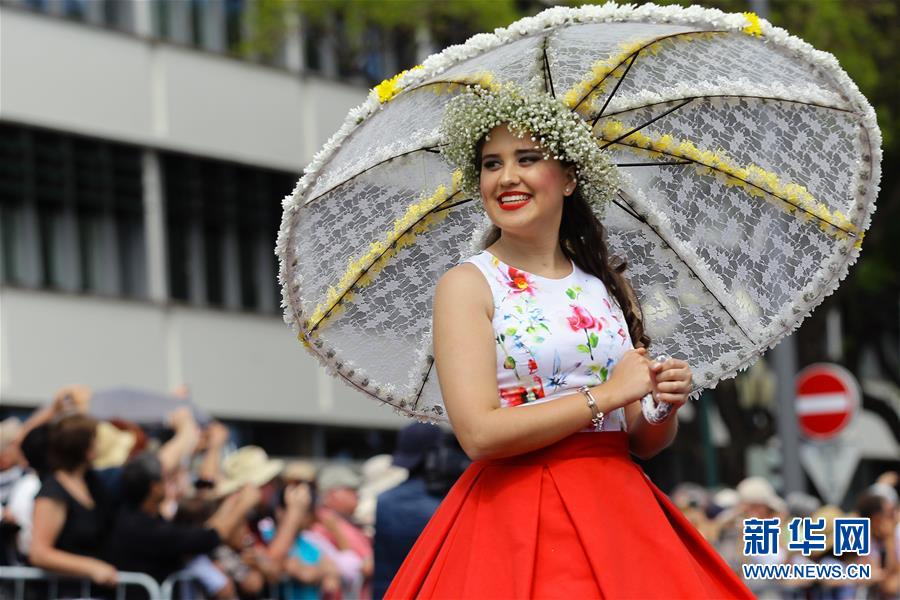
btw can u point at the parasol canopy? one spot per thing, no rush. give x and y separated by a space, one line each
750 166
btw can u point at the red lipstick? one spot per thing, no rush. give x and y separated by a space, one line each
513 200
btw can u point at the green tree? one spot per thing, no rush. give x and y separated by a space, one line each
449 22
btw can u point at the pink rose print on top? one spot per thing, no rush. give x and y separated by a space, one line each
519 282
582 319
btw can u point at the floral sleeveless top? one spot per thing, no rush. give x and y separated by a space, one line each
553 335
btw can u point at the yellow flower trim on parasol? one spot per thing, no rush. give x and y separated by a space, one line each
388 88
418 218
753 28
584 93
595 82
482 79
755 180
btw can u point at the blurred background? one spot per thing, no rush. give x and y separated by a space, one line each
145 147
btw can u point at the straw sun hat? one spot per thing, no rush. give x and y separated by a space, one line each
113 445
756 490
249 464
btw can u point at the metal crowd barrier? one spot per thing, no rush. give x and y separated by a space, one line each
182 582
20 575
181 579
187 585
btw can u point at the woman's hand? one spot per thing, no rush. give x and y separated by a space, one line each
218 434
298 497
72 398
631 378
104 573
673 382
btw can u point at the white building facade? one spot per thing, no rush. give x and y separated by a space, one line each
140 195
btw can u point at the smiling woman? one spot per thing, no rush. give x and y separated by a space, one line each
542 360
536 334
514 175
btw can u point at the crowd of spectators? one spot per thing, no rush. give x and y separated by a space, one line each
91 499
720 517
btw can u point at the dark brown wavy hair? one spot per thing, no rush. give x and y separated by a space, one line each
582 239
70 439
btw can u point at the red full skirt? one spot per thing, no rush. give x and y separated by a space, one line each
577 519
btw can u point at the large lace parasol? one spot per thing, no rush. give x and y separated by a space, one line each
751 164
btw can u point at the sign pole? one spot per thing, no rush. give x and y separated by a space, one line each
784 361
709 450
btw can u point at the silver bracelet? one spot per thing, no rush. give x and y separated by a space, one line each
598 415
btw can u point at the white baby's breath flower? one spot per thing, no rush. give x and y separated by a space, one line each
562 133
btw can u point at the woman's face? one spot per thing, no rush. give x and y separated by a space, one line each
521 190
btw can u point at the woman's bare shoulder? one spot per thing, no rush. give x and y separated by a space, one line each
463 274
465 284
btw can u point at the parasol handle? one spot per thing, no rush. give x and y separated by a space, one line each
655 412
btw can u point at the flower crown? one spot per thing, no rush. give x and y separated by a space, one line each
561 133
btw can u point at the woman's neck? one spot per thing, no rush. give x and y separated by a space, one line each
541 256
76 473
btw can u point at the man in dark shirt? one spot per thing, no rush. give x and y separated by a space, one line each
403 511
143 541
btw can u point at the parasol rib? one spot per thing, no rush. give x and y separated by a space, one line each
627 208
374 261
548 77
429 149
482 82
454 205
650 122
741 96
633 213
615 89
629 55
424 380
748 182
654 164
324 360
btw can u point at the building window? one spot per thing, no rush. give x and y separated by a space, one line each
313 39
116 14
234 33
197 9
71 213
75 9
36 5
160 15
222 221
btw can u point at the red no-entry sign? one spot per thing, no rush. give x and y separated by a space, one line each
827 399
